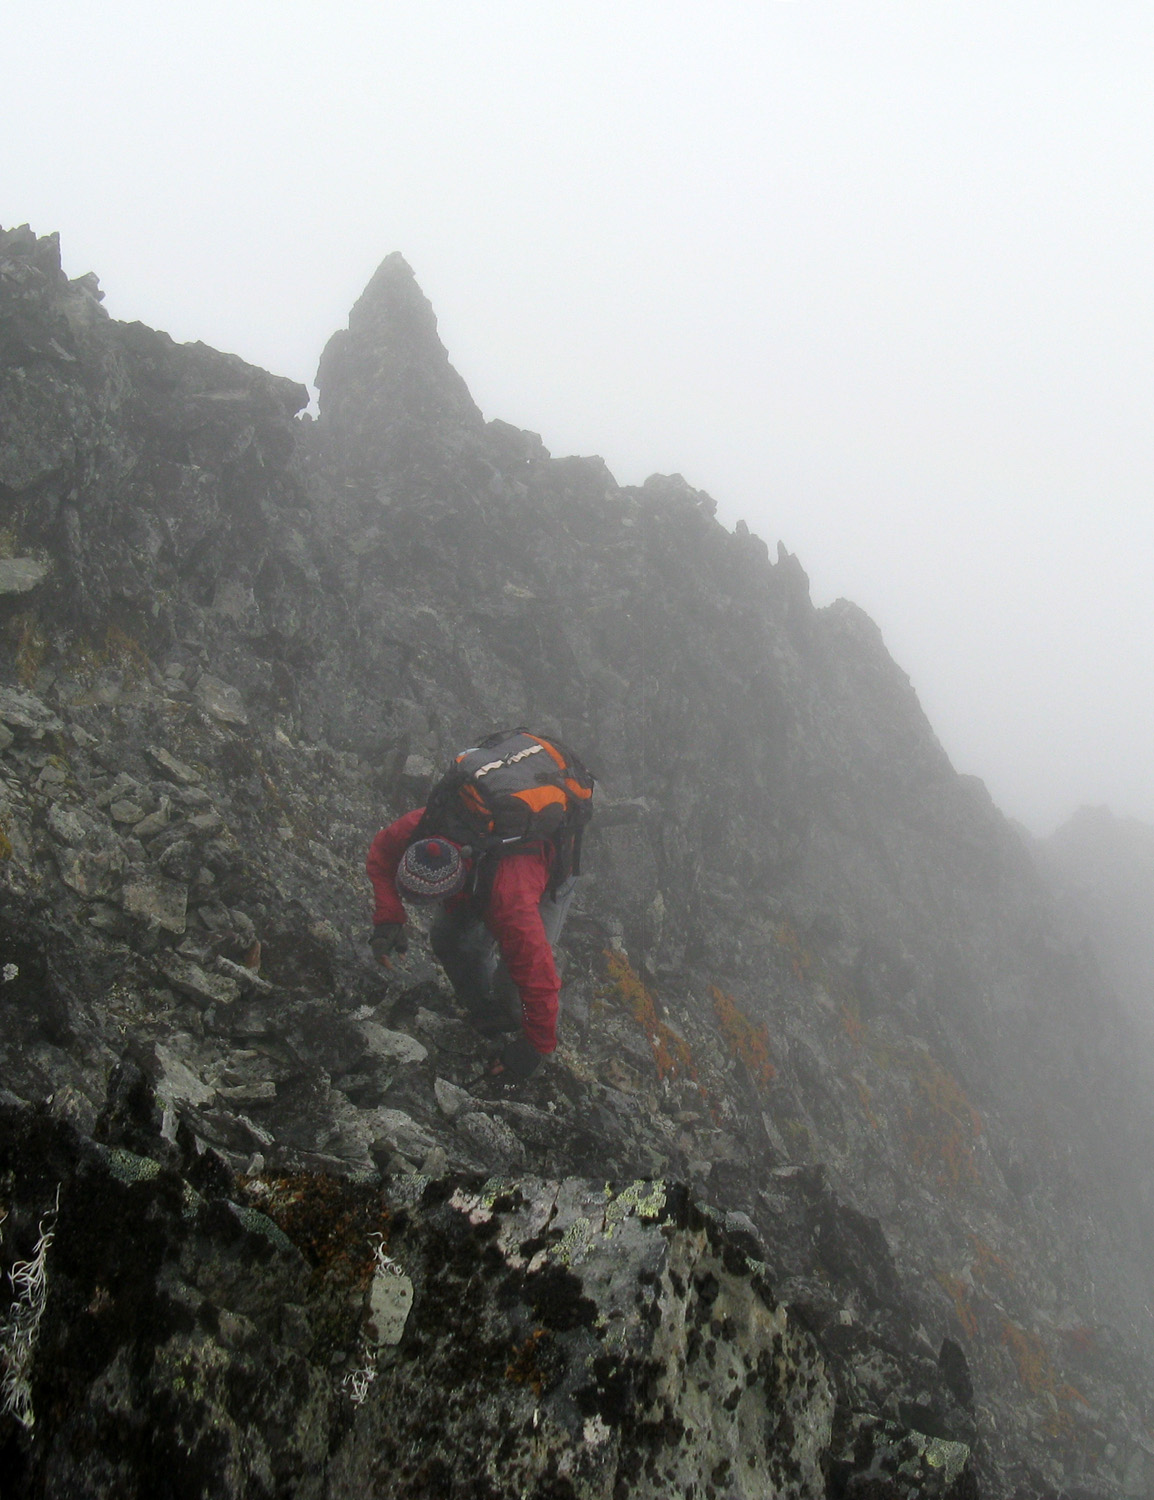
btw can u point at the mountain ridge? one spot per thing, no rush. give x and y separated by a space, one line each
813 973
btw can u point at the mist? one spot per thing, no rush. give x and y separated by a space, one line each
875 277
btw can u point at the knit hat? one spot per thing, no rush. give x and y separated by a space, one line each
431 869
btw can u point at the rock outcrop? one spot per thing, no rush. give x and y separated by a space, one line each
814 984
292 1334
390 399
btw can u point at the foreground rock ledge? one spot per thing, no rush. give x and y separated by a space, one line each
198 1334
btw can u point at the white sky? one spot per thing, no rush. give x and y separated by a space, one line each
877 274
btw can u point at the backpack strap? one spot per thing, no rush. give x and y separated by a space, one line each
481 886
457 795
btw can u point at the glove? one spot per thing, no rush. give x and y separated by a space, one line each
516 1062
388 937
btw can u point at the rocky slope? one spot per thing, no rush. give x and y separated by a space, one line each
814 984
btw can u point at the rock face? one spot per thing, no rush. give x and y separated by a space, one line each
814 983
293 1334
390 399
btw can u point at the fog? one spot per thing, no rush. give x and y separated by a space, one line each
876 276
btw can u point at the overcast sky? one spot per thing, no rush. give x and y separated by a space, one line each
878 276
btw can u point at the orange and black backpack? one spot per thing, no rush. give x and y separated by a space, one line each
513 788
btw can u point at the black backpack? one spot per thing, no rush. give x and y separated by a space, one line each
512 789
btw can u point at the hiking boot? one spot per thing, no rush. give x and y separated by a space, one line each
493 1021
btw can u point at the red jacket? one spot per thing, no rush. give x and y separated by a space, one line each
512 916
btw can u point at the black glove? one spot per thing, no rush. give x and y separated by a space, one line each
516 1062
388 937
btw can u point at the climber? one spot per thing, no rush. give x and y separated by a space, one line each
498 847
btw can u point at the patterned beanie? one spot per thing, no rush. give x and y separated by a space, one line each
431 869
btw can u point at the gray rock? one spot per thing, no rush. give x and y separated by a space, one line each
190 979
19 575
220 700
68 826
491 1138
451 1099
615 1288
392 1129
93 874
259 1091
417 772
109 919
247 979
21 710
390 1302
392 1046
177 1081
169 766
180 861
157 901
154 823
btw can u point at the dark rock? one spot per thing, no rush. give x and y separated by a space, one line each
388 394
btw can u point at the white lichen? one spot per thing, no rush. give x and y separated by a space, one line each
356 1383
391 1297
20 1329
386 1266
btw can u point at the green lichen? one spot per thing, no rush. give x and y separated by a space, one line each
406 1191
493 1190
257 1223
950 1458
642 1199
574 1244
126 1166
645 1199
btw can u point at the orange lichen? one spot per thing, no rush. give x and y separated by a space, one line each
959 1294
865 1099
947 1127
747 1041
987 1263
796 953
851 1024
31 649
124 651
524 1368
1036 1372
950 1156
119 653
1082 1341
672 1055
333 1223
1030 1357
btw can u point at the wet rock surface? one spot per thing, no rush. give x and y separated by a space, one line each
814 983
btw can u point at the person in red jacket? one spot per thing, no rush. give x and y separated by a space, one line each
495 945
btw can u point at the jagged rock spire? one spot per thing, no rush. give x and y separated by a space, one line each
388 393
